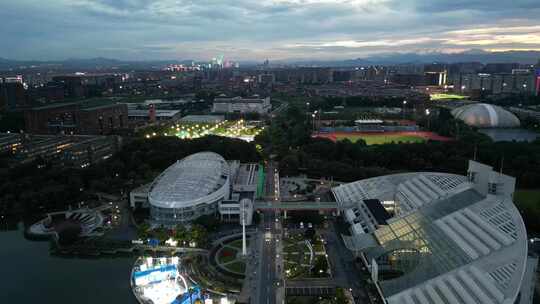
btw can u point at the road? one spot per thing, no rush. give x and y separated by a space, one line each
345 273
272 181
267 282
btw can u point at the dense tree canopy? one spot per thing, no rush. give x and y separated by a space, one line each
347 161
29 189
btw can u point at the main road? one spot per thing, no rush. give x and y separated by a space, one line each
267 282
270 284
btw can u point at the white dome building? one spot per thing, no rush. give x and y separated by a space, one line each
189 188
482 115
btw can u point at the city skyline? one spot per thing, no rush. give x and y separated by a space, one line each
277 29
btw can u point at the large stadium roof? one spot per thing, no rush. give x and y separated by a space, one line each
470 249
385 188
452 244
189 179
484 115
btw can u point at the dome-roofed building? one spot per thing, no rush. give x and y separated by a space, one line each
203 183
482 115
190 188
453 239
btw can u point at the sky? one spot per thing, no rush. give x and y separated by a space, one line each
260 29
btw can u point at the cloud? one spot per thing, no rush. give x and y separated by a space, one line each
275 29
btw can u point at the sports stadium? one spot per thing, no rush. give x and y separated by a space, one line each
189 188
201 184
431 237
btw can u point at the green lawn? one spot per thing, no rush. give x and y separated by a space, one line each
318 247
447 96
237 244
382 139
527 199
238 267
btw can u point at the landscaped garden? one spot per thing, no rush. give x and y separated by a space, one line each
301 257
229 257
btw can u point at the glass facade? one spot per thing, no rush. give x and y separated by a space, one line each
414 246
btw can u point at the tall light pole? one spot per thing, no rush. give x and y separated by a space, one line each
403 111
243 218
428 118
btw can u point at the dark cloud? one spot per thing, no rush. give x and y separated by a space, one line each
476 5
248 29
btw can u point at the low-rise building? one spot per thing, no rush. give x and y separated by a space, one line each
135 115
91 117
70 151
241 105
10 142
203 119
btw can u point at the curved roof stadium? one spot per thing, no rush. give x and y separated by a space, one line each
482 115
453 240
198 178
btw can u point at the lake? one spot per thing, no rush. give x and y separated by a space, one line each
31 275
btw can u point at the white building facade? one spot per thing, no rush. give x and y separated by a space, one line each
241 105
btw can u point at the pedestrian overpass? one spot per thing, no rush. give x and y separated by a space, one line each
295 206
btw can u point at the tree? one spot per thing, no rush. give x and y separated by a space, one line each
199 235
210 222
143 231
340 297
320 266
181 234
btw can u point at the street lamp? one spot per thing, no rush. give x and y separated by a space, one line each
428 118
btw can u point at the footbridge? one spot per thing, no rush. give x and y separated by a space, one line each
281 206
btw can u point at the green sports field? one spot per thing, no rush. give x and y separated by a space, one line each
377 139
443 96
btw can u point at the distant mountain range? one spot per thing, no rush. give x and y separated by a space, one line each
522 57
88 64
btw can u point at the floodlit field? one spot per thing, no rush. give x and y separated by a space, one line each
442 96
235 129
384 138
